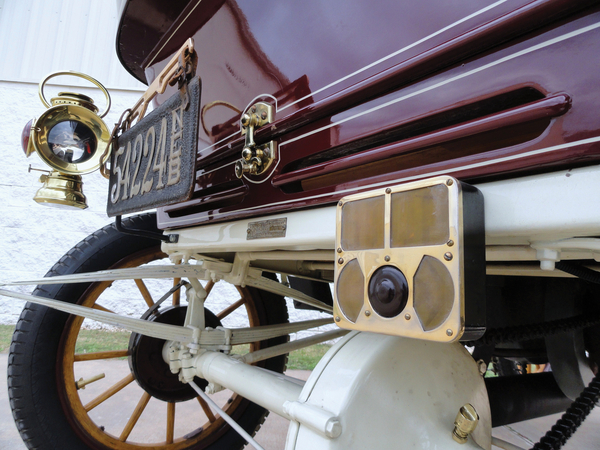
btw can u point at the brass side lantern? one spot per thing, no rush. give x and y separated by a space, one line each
72 139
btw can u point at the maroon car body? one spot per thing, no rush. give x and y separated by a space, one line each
480 90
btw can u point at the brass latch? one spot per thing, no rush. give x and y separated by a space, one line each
256 159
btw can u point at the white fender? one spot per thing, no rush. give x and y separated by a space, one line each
389 392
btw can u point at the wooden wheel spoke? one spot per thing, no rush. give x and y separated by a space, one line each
177 293
209 287
206 409
231 308
145 292
101 355
137 412
102 308
109 393
170 422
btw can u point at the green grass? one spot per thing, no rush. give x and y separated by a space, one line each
308 357
91 341
6 332
303 359
99 340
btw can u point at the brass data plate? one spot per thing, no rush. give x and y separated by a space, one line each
272 228
154 162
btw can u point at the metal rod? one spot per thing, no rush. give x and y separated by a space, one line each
282 349
157 272
310 255
226 417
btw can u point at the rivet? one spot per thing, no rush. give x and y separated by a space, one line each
367 313
448 256
449 332
254 109
337 318
341 261
340 203
407 316
263 115
450 243
339 249
449 182
387 258
388 191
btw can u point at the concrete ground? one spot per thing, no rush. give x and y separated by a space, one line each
273 432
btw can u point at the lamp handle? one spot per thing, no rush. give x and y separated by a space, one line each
75 74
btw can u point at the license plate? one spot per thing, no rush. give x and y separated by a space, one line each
154 164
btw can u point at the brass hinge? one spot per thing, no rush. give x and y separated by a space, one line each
256 159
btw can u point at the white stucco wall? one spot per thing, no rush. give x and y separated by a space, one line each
32 236
60 35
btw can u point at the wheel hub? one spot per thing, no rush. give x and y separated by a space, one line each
147 364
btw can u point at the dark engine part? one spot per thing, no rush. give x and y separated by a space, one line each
523 397
316 289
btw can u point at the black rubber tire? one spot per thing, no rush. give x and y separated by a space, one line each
33 385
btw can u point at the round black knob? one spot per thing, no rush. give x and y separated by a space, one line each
388 291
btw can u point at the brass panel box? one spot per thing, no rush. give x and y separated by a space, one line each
411 261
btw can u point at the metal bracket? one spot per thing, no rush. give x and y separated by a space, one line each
177 69
256 159
549 252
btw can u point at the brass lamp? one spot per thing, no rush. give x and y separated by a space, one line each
72 139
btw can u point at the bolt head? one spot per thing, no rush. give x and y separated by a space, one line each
337 318
339 249
407 316
263 115
247 154
450 243
388 191
239 169
340 203
449 332
449 182
341 261
387 258
367 313
448 256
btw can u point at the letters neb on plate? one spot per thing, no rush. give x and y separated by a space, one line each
153 163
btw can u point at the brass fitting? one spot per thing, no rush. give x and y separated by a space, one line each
465 423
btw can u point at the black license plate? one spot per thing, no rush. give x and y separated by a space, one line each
154 162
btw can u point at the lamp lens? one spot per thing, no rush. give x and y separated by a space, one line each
72 141
25 136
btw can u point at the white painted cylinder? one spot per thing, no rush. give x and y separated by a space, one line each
268 389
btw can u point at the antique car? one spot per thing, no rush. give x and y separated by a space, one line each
422 175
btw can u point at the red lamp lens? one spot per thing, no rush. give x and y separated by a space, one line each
25 136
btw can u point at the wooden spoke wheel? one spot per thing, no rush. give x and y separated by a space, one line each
68 393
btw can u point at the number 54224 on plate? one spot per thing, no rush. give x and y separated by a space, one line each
153 163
